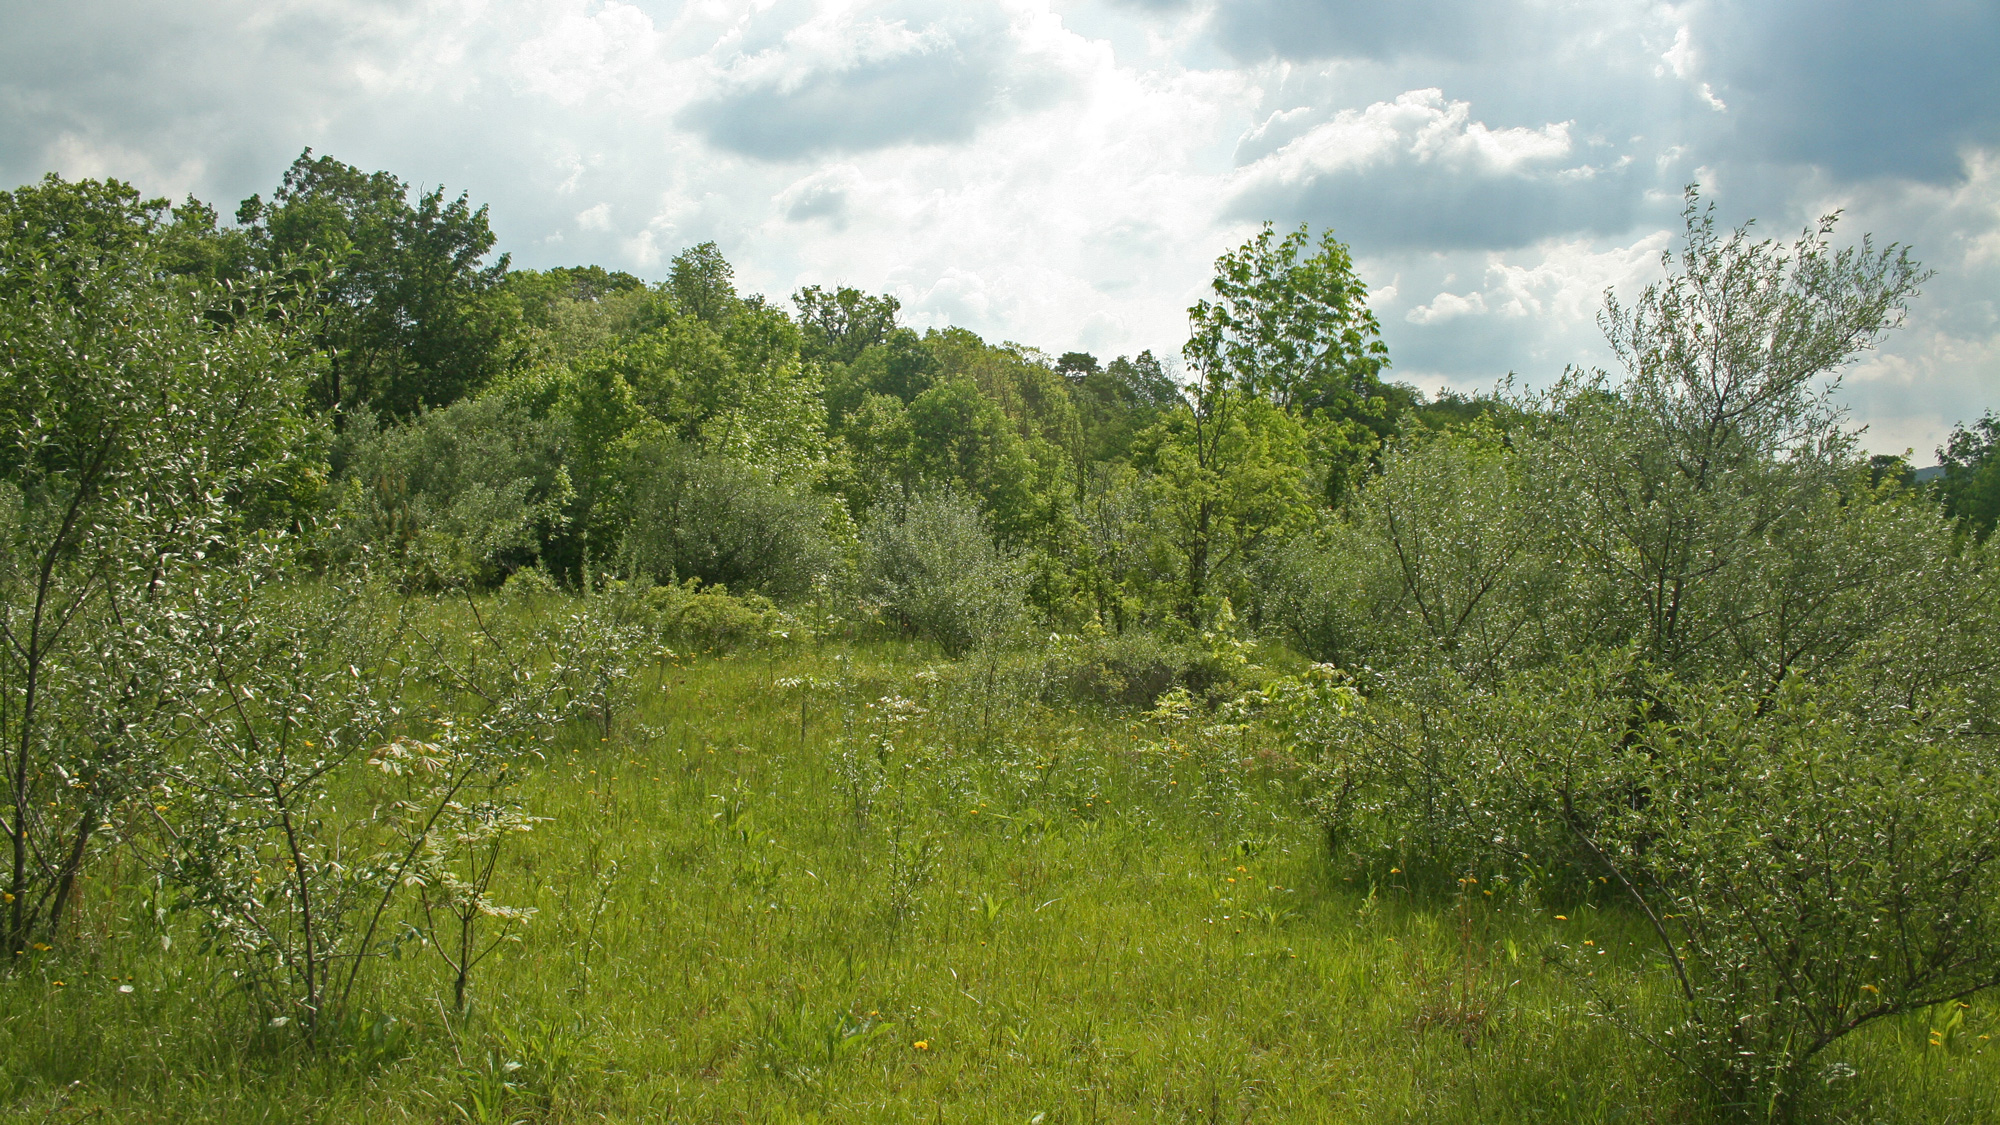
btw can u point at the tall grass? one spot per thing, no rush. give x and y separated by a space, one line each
1044 914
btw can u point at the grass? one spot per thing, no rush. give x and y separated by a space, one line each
760 901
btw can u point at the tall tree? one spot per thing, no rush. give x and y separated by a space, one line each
406 307
1971 481
842 324
704 284
142 412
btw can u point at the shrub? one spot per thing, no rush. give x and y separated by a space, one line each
465 493
712 618
1134 668
1811 859
728 523
931 564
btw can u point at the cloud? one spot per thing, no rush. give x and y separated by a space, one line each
838 84
1419 172
1860 88
1319 29
823 195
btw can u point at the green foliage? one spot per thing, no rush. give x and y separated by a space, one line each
841 325
704 284
725 522
145 419
464 494
930 563
1970 484
1441 557
407 314
1816 862
1223 485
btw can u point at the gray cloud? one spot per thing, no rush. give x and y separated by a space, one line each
936 94
1319 29
1860 88
1413 207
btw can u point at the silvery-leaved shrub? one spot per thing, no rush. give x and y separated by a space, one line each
930 561
145 419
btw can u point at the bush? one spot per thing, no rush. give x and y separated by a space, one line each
1811 859
712 618
465 494
1134 668
931 564
731 524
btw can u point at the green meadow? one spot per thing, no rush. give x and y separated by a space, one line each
1041 913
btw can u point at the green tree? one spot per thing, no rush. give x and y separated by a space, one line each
1290 322
840 325
409 313
142 412
1221 485
704 284
1681 492
1970 485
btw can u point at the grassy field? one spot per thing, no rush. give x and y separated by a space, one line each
855 886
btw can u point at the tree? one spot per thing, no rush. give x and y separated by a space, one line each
1685 490
1970 485
142 412
842 324
704 284
1294 333
1298 332
407 312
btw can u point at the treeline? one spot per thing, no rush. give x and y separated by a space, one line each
467 420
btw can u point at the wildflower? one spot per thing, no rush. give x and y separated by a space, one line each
1395 871
1242 868
921 1045
1871 988
1562 917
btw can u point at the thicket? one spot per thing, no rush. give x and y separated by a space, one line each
318 528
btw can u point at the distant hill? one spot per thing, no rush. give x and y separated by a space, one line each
1925 476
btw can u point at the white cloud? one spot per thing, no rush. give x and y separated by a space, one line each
1447 306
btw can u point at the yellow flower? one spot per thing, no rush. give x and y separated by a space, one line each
1245 869
1562 917
922 1045
1395 871
1871 988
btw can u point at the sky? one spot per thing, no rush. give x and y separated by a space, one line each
1063 173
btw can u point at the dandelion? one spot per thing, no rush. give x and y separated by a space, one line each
1562 917
1242 869
921 1045
1395 871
